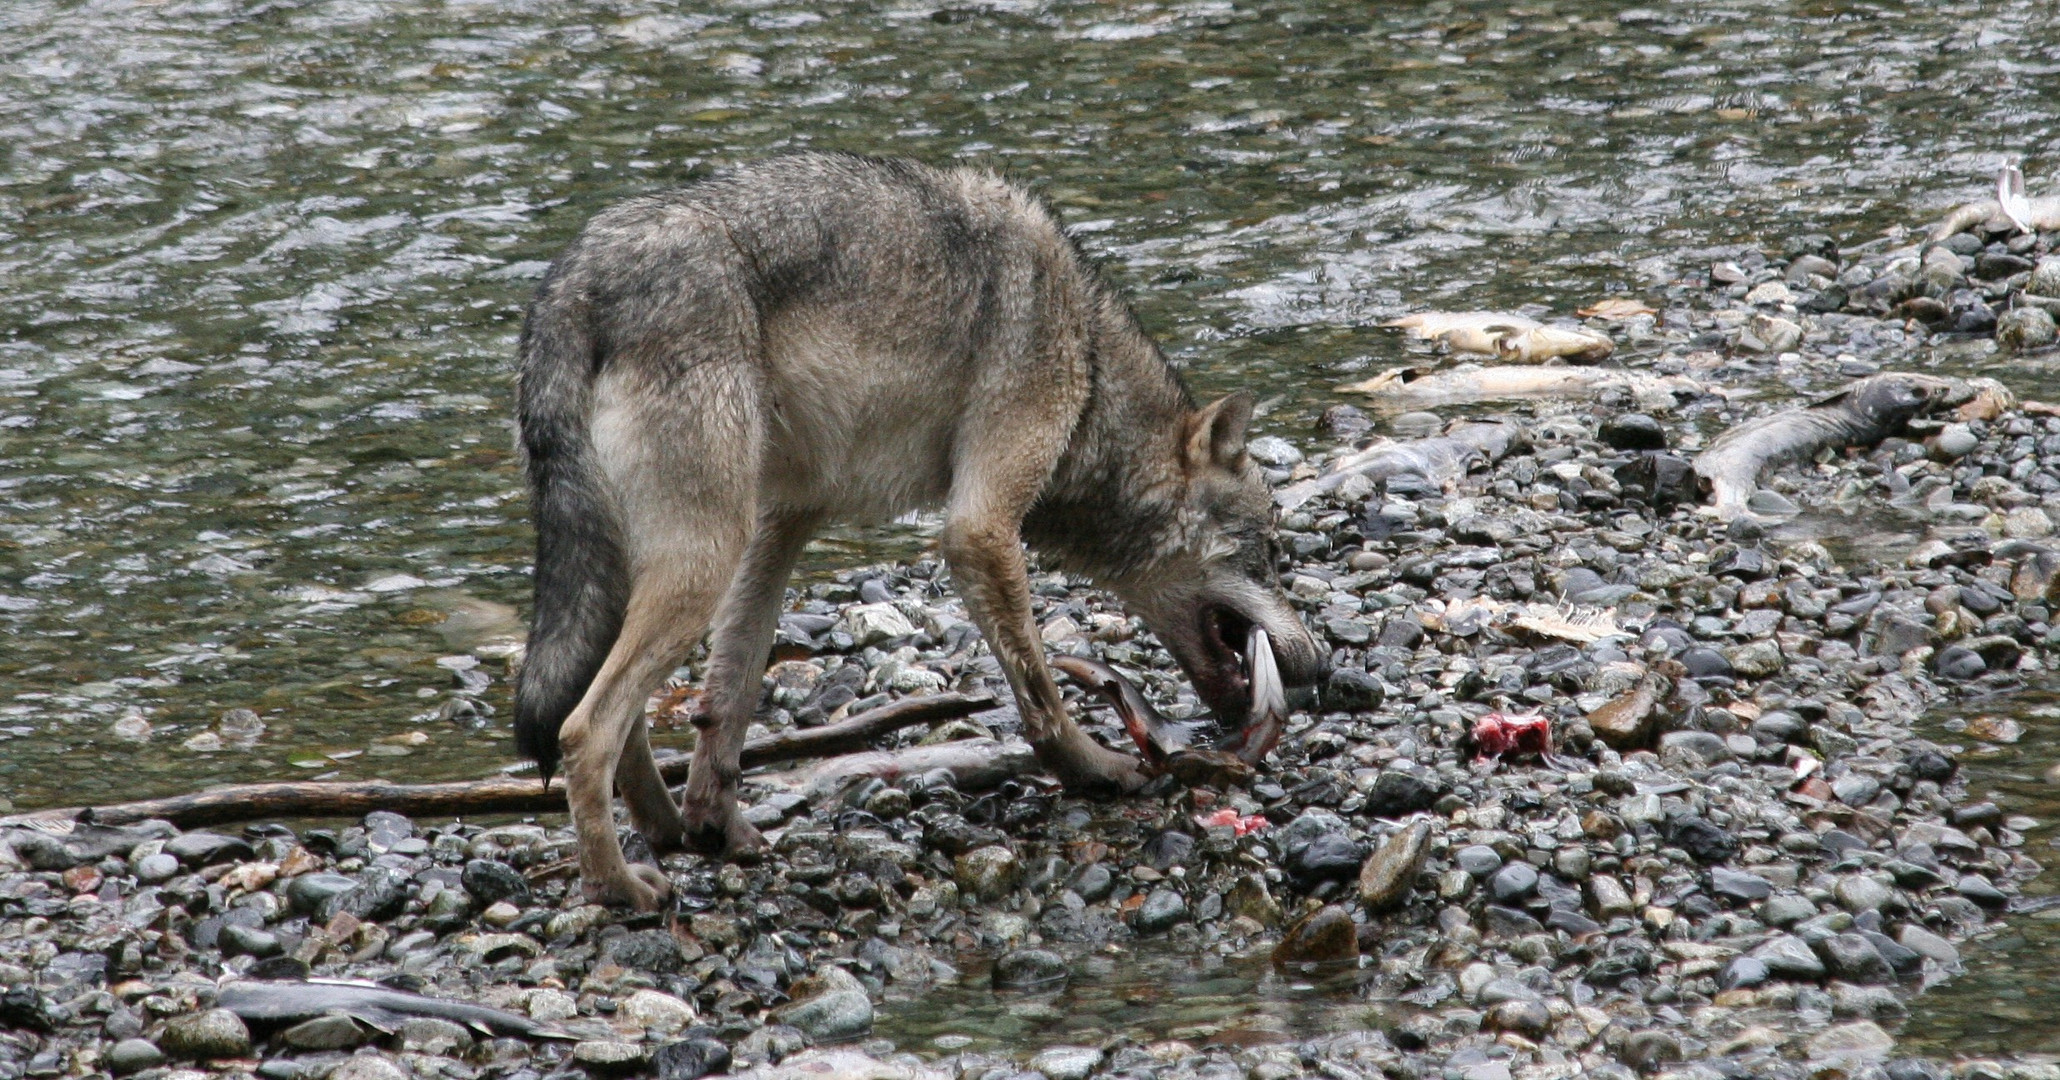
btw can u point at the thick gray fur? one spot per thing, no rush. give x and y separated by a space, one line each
710 374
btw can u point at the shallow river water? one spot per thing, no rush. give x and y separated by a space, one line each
264 263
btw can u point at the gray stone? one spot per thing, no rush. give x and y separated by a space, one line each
1755 659
1325 936
1978 889
662 1014
1498 990
1692 750
490 881
1029 967
248 941
1398 791
2024 329
1650 1048
691 1059
1744 972
1859 893
335 1031
1273 450
654 951
206 848
1769 334
1509 922
1524 1017
1391 871
133 1055
1607 898
1480 860
1787 909
1633 431
156 869
310 894
1851 957
871 624
1513 883
609 1056
987 874
1862 1040
1788 957
432 1035
2045 277
1066 1062
1738 885
838 1012
1953 442
1160 911
1927 944
205 1036
370 1066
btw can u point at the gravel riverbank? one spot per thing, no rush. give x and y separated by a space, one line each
1742 859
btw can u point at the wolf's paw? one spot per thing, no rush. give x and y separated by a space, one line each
665 837
643 888
722 832
1088 768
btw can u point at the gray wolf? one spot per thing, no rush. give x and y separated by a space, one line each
710 374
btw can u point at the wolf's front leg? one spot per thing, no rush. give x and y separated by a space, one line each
989 568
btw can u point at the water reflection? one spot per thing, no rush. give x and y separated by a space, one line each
1148 992
2012 979
265 263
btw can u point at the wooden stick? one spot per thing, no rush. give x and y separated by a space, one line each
494 795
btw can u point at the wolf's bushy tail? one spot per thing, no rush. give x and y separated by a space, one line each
582 573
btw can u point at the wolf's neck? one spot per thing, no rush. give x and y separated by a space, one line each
1111 507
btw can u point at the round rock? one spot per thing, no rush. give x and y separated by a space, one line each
491 881
1160 911
987 874
205 1036
1513 883
1325 936
1480 860
2024 329
1066 1062
1633 431
1029 967
133 1055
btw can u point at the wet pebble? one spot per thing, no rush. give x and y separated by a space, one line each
1326 936
206 1036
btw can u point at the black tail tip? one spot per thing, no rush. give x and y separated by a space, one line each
539 744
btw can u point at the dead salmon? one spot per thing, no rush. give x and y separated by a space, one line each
1405 388
1511 337
1861 413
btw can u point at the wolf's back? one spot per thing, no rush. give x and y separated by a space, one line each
582 577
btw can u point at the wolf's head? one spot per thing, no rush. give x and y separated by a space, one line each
1216 576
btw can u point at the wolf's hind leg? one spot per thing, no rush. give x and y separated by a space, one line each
661 625
736 661
651 809
681 463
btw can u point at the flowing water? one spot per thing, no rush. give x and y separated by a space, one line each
1158 992
264 263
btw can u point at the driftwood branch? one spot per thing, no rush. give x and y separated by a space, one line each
494 795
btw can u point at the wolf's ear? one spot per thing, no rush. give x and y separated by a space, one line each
1216 431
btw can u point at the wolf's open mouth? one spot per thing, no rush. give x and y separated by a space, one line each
1226 634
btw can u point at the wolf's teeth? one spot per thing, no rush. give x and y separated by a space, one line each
1268 695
